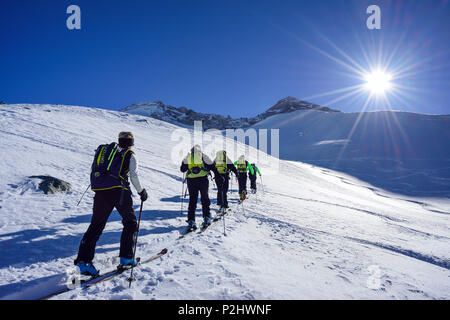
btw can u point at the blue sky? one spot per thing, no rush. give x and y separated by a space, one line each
228 57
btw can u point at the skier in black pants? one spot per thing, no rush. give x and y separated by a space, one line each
197 165
224 166
253 177
111 167
242 167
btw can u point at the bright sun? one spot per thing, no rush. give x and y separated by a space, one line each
378 82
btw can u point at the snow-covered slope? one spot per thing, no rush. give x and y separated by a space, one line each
403 152
309 233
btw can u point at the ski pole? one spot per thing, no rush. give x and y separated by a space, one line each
213 180
262 184
182 191
83 195
224 233
130 279
231 185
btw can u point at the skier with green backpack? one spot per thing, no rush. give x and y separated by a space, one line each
197 166
242 167
224 166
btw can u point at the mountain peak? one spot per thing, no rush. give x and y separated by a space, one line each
290 104
185 116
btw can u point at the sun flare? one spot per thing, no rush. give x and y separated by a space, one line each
378 82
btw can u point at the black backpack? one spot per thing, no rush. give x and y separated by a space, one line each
109 169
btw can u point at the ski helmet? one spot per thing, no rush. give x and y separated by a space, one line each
126 139
196 148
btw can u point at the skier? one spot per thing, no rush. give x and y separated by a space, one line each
242 167
224 166
197 165
253 177
110 169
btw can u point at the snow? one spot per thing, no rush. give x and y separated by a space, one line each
341 141
309 232
403 152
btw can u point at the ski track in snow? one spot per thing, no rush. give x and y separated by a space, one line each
309 233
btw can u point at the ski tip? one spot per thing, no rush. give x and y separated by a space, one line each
164 251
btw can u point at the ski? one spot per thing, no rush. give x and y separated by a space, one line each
92 281
218 217
109 275
188 231
204 227
220 214
163 252
241 201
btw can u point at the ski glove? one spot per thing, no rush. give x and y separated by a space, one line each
143 195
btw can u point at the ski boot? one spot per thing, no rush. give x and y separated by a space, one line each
126 264
87 269
253 191
223 209
207 222
192 225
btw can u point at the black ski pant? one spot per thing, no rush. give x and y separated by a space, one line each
196 186
252 181
104 203
242 180
222 183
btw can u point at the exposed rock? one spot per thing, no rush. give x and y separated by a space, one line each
51 185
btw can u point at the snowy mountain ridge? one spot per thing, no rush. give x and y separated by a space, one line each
186 117
328 234
400 151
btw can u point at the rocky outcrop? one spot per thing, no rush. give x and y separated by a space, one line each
51 185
